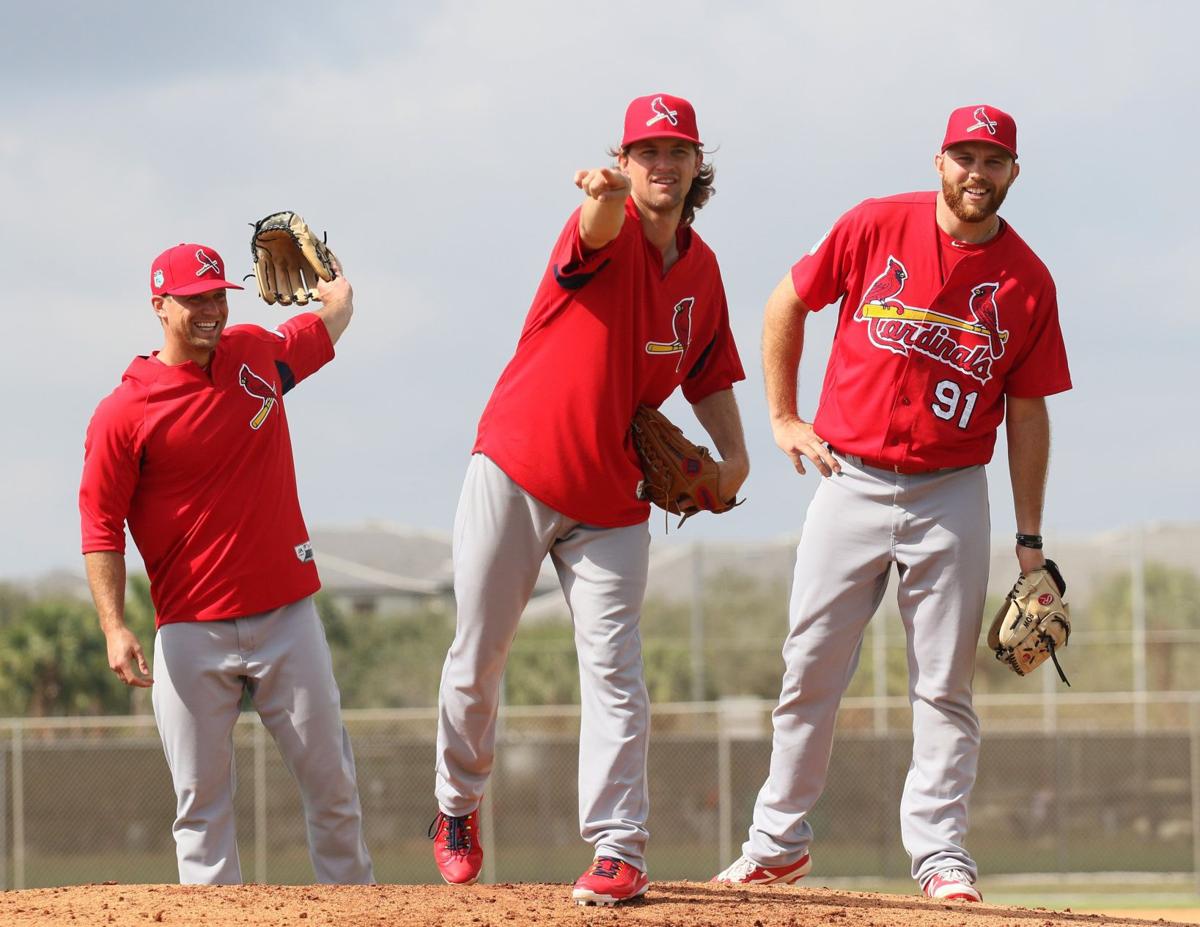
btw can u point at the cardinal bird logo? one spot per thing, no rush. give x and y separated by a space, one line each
662 111
885 288
971 345
983 121
983 308
208 263
260 389
681 328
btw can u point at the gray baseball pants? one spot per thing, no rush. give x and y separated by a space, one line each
282 658
934 528
501 536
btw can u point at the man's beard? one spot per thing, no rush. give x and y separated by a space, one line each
968 213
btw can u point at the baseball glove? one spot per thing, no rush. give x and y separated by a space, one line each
289 259
679 476
1033 623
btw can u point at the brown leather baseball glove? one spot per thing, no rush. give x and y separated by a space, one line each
679 476
289 259
1033 623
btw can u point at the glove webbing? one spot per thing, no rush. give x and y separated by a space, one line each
1011 659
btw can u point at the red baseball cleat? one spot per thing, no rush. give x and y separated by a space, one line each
952 885
456 847
747 872
610 881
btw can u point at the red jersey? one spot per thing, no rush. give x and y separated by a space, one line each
932 335
200 465
607 331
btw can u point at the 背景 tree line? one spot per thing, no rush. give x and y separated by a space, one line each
52 653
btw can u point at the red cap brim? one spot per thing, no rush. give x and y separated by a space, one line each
635 137
202 286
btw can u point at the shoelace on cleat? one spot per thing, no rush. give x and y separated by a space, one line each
458 832
741 869
955 875
606 867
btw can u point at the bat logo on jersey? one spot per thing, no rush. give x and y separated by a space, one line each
970 345
662 111
260 389
681 328
983 121
207 263
304 552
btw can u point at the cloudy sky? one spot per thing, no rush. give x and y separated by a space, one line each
436 143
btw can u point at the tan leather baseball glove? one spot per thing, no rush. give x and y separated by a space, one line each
289 259
679 476
1033 623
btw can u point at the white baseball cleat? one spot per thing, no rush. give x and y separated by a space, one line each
747 872
952 885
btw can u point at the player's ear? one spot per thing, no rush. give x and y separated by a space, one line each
1016 171
157 303
699 161
937 161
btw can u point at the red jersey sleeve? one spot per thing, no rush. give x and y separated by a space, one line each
820 277
111 462
573 265
719 365
302 348
1041 368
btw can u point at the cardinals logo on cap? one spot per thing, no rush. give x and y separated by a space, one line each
207 263
983 121
970 345
260 389
662 111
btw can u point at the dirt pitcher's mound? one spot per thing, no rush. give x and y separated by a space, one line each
668 904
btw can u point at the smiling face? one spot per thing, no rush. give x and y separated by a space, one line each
661 171
975 179
192 325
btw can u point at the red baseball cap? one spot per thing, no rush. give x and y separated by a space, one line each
660 115
981 124
188 269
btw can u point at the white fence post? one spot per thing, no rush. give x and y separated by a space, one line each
18 800
1195 742
697 623
724 793
3 821
879 671
260 804
1137 629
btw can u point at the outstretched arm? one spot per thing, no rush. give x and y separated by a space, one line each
1027 425
603 211
718 413
783 343
106 578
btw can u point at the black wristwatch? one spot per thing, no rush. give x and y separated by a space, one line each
1032 541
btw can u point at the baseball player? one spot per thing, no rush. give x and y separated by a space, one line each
947 325
631 306
192 451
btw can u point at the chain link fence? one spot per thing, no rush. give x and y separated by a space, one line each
1068 783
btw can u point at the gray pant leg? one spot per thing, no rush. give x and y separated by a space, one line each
841 572
196 693
943 553
603 574
293 687
501 537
